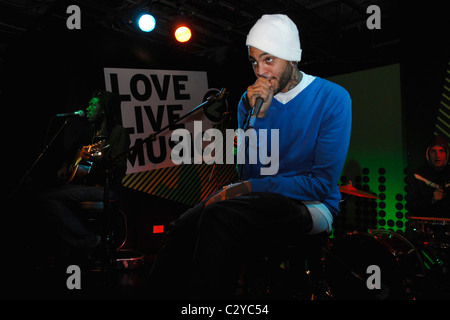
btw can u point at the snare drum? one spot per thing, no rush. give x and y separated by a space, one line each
399 262
433 232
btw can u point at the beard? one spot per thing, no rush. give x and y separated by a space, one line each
284 79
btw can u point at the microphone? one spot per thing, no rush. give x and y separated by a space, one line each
79 113
256 109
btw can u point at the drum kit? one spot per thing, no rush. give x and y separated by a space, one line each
411 266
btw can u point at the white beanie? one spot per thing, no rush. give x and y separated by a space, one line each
276 34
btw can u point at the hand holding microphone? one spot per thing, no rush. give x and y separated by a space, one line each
260 96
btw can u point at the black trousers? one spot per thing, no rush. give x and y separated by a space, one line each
60 203
205 247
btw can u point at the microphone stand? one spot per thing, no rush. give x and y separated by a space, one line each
108 236
152 137
27 173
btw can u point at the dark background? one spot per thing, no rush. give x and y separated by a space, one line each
47 69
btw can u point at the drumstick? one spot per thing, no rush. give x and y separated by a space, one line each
428 182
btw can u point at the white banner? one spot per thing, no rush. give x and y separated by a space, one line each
151 99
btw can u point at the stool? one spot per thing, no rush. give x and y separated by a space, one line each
293 272
93 211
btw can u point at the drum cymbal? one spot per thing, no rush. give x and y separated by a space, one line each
350 189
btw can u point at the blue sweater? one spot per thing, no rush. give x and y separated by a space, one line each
314 135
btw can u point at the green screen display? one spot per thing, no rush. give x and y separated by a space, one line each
376 159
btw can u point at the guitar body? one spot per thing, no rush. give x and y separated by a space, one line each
79 169
79 173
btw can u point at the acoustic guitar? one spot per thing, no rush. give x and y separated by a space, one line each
79 168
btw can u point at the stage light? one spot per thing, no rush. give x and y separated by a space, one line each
183 34
147 22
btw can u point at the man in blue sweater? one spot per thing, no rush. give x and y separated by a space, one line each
312 117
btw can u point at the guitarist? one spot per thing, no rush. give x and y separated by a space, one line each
103 115
429 186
